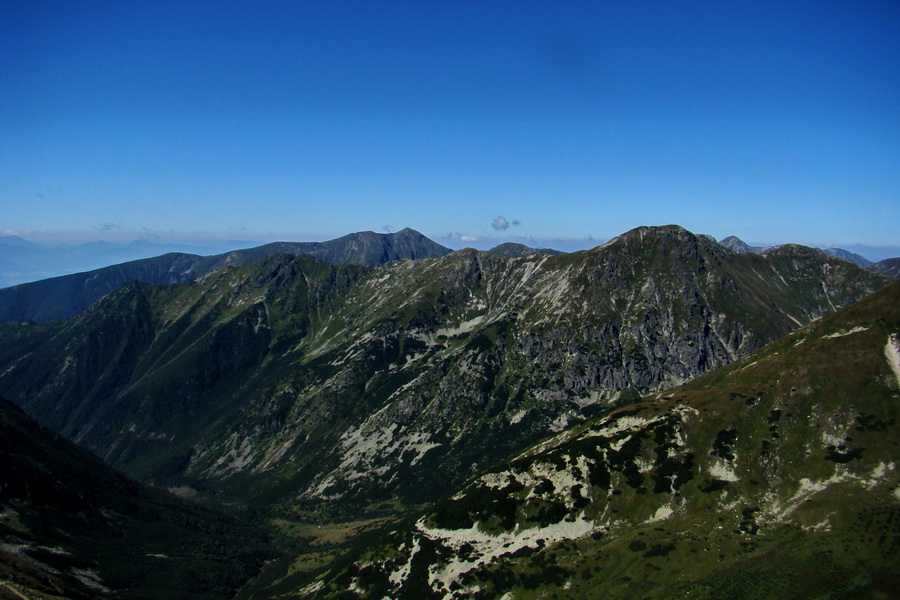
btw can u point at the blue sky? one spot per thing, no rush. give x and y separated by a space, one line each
773 121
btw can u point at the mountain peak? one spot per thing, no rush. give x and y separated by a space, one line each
736 244
408 231
659 234
653 231
657 230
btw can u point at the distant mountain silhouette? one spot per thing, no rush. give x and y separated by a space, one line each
512 250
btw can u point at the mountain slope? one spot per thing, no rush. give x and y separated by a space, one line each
889 267
62 297
847 255
295 381
24 262
776 476
70 527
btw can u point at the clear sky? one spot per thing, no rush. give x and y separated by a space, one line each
774 121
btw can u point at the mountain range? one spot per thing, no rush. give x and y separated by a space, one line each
61 297
342 381
64 296
882 254
340 401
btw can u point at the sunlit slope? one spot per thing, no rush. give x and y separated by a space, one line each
774 477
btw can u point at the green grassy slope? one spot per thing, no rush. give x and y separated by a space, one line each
774 477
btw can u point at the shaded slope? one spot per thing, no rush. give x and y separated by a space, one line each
776 476
71 527
62 297
147 359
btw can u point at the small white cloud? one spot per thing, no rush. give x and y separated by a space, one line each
390 228
468 238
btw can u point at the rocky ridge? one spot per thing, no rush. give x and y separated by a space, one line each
736 244
513 250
